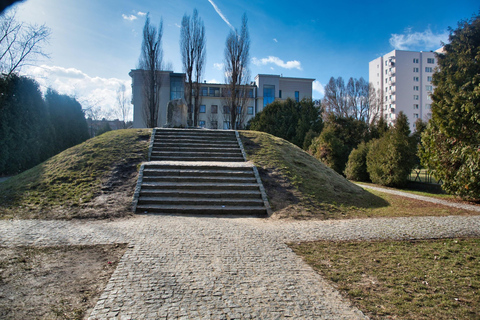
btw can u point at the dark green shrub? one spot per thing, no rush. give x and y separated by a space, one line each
356 168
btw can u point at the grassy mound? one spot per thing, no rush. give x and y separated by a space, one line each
300 186
91 180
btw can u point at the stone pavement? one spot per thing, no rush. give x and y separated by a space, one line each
180 267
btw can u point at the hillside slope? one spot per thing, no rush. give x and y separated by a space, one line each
300 186
94 179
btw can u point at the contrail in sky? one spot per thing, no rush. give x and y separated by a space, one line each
221 14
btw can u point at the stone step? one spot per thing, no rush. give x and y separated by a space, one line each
220 194
212 144
197 153
199 201
152 172
194 138
194 148
195 132
218 179
205 209
199 186
194 166
196 158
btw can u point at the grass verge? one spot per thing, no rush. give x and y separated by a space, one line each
61 282
428 279
91 180
300 186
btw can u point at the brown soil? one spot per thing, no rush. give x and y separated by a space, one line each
61 282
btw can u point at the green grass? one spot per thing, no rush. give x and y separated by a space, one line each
430 279
73 177
313 186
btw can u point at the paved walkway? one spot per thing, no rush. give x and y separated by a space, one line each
222 268
423 198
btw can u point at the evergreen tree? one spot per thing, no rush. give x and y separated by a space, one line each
451 142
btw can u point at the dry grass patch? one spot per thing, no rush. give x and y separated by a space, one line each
428 279
95 179
61 282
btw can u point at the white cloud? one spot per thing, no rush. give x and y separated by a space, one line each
218 66
318 87
294 64
275 39
130 17
89 91
212 81
221 14
177 25
425 40
140 13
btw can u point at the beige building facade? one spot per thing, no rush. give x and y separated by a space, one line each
213 112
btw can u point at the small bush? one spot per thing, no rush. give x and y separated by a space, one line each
356 168
390 160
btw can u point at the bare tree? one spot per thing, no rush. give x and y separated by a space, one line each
357 99
150 62
123 106
376 104
237 49
335 97
193 49
20 43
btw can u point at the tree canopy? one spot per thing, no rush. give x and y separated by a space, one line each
451 142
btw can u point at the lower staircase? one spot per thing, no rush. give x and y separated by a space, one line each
199 172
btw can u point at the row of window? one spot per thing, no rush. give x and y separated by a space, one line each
429 60
416 79
226 109
427 69
427 106
221 92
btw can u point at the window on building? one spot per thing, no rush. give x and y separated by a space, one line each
214 109
416 88
415 106
201 123
415 69
415 115
214 92
429 78
385 62
176 87
226 110
429 88
415 97
430 60
428 69
268 94
429 115
428 106
250 93
429 97
190 108
226 125
416 79
250 110
297 96
204 91
214 124
280 94
203 109
415 60
239 110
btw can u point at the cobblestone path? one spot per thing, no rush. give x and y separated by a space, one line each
222 268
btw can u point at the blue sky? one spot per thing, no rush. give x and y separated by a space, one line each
95 43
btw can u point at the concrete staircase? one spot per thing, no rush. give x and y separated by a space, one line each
199 172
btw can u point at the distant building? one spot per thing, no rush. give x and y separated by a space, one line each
404 79
213 112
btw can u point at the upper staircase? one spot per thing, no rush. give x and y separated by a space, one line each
194 171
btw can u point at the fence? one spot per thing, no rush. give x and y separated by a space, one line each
423 176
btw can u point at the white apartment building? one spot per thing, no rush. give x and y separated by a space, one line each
213 114
404 79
